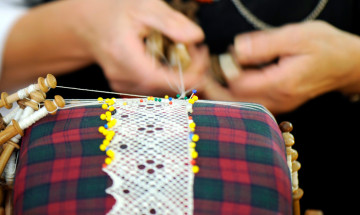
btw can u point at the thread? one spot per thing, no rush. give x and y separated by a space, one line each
47 84
10 168
31 88
100 91
56 109
7 119
32 100
25 123
18 114
22 93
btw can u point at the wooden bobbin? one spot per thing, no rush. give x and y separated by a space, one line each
36 98
10 132
286 126
9 147
43 85
159 47
178 53
4 100
294 165
14 129
2 123
297 195
2 197
50 80
52 106
294 155
216 70
9 209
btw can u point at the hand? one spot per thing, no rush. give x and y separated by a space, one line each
313 58
63 36
114 32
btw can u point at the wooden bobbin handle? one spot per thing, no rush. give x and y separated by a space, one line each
155 45
297 195
9 209
178 53
36 98
159 46
45 84
9 147
216 70
4 100
286 126
2 123
52 106
2 198
10 132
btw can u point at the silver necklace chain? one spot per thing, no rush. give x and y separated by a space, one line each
259 24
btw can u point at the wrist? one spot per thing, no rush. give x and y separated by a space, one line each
351 87
41 42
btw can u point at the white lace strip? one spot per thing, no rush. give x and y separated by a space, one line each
150 170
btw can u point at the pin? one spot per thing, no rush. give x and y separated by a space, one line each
195 169
104 106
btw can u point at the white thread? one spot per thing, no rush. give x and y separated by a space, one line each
9 171
36 102
182 85
18 114
165 60
152 172
100 91
16 139
7 119
288 159
295 181
37 115
22 93
80 105
252 106
31 88
46 83
56 109
27 112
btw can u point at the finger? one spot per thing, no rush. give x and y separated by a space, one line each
214 91
195 73
263 46
256 82
173 24
177 80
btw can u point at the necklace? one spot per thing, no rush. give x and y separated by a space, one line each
259 24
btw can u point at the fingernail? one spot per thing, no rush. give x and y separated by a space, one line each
243 45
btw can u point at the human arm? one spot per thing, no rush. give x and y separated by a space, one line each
10 13
313 58
63 36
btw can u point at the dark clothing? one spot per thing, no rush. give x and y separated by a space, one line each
325 128
221 20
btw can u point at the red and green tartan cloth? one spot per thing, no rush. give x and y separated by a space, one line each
242 163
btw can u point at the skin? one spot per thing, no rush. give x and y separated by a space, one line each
63 36
314 58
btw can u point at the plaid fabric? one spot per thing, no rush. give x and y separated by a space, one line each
241 157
